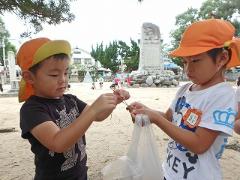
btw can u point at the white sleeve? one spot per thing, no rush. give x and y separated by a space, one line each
238 94
179 93
220 111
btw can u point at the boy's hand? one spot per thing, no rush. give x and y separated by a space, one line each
103 106
121 95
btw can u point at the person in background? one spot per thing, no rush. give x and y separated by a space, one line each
117 82
101 80
93 86
55 123
237 122
1 81
201 117
128 80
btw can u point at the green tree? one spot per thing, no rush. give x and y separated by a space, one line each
224 9
98 53
39 11
112 55
4 42
107 56
111 60
130 55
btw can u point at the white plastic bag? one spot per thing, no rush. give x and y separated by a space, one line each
142 161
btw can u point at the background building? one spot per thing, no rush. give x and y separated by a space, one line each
83 62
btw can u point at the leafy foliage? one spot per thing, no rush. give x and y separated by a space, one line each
107 56
224 9
39 11
112 55
4 42
131 58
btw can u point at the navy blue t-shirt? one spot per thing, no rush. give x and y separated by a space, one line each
70 165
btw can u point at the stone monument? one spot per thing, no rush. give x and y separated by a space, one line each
150 61
74 75
12 72
151 71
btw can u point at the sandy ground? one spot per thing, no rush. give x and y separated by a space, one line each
106 141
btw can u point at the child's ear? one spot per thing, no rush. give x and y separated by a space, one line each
27 76
225 55
224 58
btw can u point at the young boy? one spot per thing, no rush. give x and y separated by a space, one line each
55 123
202 115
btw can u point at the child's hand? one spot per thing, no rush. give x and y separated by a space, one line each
132 108
138 108
103 106
237 126
121 95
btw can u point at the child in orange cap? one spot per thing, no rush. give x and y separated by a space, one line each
237 122
201 117
55 123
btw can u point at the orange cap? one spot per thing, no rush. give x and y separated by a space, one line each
33 52
205 35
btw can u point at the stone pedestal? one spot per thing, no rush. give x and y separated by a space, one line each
73 78
151 71
12 73
150 53
14 85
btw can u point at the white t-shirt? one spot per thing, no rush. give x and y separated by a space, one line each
238 94
219 107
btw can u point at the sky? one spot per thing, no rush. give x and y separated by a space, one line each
107 20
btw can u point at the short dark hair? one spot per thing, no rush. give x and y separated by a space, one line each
238 81
61 56
214 52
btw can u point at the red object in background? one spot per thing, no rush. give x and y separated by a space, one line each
116 80
128 80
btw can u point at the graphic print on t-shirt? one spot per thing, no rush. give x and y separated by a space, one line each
181 109
177 164
71 155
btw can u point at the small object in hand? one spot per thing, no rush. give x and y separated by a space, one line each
123 99
129 108
125 102
113 87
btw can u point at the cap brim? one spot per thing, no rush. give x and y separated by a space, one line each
190 51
